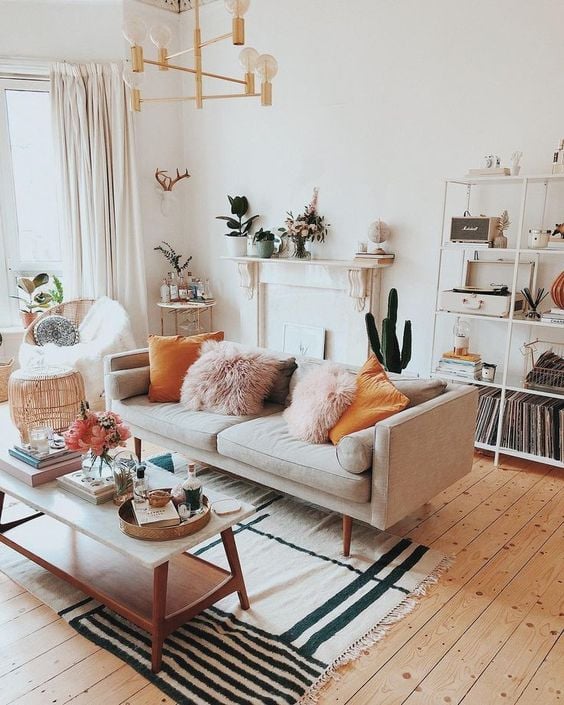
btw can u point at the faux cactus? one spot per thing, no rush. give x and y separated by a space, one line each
388 350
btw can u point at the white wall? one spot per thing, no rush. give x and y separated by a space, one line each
376 101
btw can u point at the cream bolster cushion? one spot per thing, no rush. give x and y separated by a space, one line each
355 451
123 384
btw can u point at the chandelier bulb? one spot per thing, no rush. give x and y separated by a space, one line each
135 31
248 59
161 36
133 79
267 67
238 8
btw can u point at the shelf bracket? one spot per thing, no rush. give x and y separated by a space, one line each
357 289
247 277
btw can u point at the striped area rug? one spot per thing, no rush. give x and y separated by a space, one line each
311 611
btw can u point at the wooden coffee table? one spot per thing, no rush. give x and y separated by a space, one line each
155 585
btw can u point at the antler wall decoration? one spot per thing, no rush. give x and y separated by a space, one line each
167 183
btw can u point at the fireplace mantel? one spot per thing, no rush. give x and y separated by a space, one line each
359 273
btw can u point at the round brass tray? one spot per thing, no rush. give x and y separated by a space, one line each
128 524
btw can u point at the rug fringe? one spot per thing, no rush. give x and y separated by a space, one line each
374 635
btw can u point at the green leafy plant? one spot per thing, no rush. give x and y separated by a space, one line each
237 226
263 236
388 351
174 259
56 292
33 298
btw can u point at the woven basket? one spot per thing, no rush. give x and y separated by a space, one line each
128 524
6 369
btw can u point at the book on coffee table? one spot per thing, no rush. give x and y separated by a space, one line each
156 516
33 476
95 491
43 460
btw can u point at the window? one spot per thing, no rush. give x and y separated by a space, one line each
29 231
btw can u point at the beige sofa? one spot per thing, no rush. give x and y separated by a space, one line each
377 476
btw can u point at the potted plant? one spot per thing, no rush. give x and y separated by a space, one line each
264 243
33 299
239 229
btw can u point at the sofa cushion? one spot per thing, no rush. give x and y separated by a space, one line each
355 451
267 444
198 429
418 391
286 366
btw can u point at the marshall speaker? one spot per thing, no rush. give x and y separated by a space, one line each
480 230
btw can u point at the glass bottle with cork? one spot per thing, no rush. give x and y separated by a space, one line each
173 286
192 488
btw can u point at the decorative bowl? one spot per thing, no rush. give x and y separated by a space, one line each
159 498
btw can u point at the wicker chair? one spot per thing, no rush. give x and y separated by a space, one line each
75 310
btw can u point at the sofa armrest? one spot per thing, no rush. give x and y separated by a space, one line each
129 360
422 451
126 374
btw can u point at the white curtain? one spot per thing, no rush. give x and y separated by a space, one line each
100 212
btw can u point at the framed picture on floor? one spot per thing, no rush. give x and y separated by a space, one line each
304 341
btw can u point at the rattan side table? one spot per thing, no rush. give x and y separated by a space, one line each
46 395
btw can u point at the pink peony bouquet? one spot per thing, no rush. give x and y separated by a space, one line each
96 433
307 226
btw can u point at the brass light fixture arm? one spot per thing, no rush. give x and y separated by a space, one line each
195 72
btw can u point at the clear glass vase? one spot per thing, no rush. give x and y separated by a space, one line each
96 467
300 251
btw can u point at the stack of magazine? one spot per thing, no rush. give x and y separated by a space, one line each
531 424
459 367
555 315
36 468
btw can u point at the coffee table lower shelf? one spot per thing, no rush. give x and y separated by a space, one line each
158 600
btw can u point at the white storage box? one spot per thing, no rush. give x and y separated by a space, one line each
485 304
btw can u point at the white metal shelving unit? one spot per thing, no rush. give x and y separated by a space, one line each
509 381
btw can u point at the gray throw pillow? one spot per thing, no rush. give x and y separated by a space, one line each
419 391
55 329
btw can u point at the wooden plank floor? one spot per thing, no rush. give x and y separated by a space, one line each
489 632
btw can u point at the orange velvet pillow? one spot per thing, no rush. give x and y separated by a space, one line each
170 356
376 398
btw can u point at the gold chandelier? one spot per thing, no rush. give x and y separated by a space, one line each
135 31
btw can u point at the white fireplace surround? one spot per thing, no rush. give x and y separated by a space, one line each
333 293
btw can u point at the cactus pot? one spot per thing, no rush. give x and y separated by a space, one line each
265 249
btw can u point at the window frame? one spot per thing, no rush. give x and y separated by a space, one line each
12 265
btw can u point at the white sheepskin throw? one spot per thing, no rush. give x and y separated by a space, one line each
104 330
318 402
228 380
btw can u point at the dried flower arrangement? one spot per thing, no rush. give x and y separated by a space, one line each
307 226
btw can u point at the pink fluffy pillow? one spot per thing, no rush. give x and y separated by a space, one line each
227 380
318 402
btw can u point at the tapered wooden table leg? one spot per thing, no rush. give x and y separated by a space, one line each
160 576
235 566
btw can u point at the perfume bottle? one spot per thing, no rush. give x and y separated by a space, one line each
193 492
139 485
165 293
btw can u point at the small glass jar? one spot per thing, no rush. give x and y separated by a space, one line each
123 469
39 438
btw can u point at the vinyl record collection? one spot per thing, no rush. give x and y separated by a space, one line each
532 424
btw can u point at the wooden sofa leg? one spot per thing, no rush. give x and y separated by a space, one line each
347 533
137 444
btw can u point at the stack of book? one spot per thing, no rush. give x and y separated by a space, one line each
382 259
461 367
37 468
555 315
93 490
